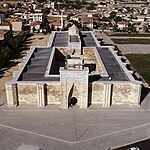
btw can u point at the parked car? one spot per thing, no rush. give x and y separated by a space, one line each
134 148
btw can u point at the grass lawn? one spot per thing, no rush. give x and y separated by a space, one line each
131 41
141 62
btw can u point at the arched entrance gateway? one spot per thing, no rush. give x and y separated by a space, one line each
74 87
72 96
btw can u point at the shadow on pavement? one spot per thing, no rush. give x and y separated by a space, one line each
2 104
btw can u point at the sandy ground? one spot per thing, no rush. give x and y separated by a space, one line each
35 40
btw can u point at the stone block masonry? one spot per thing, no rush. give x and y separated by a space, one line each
74 83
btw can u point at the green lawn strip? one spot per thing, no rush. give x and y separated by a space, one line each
131 41
141 62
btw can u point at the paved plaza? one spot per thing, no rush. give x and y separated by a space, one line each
49 128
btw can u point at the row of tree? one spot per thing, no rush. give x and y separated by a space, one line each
11 47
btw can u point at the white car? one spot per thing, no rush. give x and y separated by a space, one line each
134 148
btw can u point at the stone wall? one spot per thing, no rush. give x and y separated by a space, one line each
115 93
91 58
97 90
27 93
103 93
53 93
126 93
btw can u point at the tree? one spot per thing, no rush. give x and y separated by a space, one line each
8 13
47 28
105 19
91 6
117 19
77 24
11 47
95 25
46 11
78 4
132 17
131 28
97 16
67 27
52 28
16 41
41 1
129 9
5 53
112 15
33 29
115 28
84 2
25 28
18 5
145 28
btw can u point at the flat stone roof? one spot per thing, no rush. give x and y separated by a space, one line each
87 39
74 38
37 65
111 64
60 39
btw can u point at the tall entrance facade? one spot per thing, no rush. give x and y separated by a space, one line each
74 87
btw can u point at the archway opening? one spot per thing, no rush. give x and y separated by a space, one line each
73 101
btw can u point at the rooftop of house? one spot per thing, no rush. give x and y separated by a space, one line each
5 24
55 23
35 23
16 20
87 19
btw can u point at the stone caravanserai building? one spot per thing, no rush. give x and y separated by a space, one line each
73 69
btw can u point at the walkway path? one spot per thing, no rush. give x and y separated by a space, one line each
134 48
128 37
